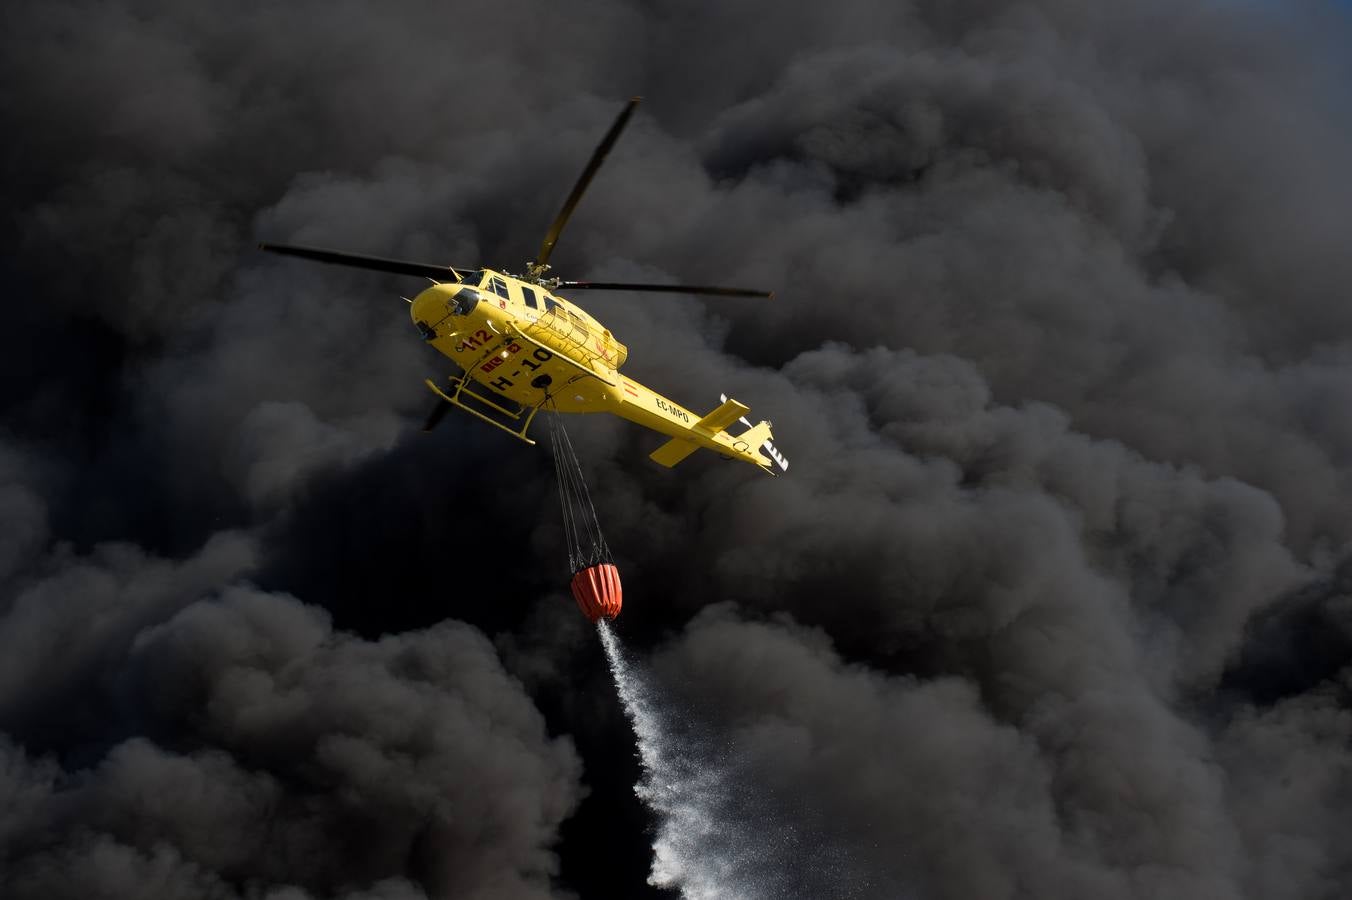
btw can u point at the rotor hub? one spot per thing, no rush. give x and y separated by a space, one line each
535 274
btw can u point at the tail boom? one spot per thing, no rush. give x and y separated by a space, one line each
689 432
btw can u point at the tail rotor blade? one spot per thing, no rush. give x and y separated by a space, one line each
436 415
598 157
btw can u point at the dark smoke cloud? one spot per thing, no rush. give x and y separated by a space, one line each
1052 602
324 765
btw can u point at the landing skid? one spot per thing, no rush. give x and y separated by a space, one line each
491 411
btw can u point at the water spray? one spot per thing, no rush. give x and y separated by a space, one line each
675 786
722 832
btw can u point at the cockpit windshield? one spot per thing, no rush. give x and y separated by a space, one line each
470 278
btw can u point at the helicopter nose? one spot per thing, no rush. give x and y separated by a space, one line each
429 308
441 300
438 303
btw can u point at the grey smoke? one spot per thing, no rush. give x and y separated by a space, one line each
327 764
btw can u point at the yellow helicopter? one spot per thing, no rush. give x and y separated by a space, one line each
522 347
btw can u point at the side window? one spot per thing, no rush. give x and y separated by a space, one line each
551 304
531 299
500 288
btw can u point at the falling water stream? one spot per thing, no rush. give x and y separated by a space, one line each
676 787
722 832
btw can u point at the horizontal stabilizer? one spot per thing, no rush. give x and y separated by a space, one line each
724 416
673 451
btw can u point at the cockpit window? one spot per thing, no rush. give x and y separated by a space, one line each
465 300
471 278
500 288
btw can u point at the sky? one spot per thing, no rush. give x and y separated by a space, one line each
1053 601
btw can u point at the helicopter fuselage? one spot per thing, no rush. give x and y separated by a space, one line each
536 350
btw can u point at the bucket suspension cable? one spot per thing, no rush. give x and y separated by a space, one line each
582 531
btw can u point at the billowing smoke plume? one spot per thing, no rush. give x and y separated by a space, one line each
1052 602
247 745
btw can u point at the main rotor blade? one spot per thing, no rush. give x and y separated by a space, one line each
376 263
662 288
598 157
